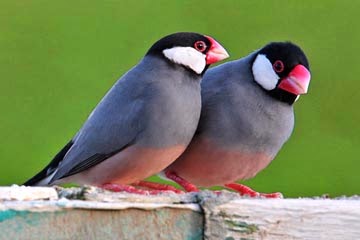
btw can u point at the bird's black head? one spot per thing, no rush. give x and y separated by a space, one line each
191 50
282 69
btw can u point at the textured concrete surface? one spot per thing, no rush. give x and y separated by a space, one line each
92 213
27 193
102 224
273 219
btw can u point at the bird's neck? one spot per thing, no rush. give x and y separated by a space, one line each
282 96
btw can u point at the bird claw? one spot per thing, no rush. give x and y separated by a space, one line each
158 186
246 191
123 188
131 189
277 195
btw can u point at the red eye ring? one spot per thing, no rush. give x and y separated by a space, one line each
200 46
278 66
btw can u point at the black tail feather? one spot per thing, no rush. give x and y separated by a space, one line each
51 167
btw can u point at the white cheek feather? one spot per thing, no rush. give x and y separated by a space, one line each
188 57
263 72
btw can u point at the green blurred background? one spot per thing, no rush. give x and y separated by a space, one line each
58 58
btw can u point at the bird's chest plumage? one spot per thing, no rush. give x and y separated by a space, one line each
240 133
249 120
205 163
256 129
172 115
234 147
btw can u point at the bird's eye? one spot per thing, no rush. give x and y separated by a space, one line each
278 66
200 46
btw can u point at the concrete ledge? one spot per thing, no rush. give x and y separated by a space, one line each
92 213
22 193
284 219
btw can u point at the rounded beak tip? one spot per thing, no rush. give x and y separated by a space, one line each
298 80
216 52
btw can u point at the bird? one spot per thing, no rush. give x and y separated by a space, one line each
247 115
143 123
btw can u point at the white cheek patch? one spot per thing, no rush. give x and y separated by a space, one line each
188 57
264 73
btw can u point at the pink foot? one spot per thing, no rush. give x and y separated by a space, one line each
129 189
182 182
157 186
244 190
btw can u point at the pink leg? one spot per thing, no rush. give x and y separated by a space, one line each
244 190
129 189
182 182
157 186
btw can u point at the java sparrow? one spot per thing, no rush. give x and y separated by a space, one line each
247 115
144 122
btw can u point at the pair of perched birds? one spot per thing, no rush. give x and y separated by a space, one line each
166 116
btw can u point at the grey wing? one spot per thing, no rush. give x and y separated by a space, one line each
112 126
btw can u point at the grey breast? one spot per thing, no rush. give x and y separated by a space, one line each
237 113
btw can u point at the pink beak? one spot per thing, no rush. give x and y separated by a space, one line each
216 52
297 82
